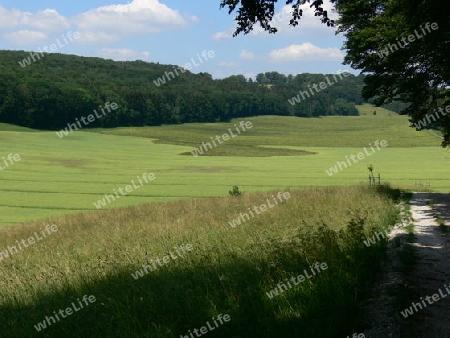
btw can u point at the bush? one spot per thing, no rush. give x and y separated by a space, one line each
235 191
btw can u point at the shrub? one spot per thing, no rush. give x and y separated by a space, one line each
235 191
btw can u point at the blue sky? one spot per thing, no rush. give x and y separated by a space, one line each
171 32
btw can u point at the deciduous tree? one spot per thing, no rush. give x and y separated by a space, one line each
403 46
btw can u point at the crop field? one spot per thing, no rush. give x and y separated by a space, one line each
57 176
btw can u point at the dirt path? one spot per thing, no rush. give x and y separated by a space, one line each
432 271
429 274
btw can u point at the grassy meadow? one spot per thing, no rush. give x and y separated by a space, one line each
229 270
56 176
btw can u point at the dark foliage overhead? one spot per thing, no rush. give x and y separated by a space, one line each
251 12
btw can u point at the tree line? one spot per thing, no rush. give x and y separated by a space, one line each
56 89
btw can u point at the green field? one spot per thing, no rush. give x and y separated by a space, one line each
61 176
232 269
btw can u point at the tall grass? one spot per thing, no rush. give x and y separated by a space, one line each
228 271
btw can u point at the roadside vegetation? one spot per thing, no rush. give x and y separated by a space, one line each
228 271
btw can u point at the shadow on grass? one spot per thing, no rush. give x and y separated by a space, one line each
173 301
170 304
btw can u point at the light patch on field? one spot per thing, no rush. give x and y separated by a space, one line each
204 169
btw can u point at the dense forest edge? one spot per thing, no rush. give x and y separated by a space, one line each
49 91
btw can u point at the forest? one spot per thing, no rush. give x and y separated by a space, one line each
55 89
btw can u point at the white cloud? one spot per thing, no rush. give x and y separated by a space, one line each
115 22
10 18
227 64
107 23
306 52
97 36
194 18
250 75
26 37
102 24
47 20
308 21
222 35
124 54
218 74
309 24
246 55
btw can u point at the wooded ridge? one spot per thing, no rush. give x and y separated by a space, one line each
57 89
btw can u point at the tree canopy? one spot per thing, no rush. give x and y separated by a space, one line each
252 12
403 46
57 89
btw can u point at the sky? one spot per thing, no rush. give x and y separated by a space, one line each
171 32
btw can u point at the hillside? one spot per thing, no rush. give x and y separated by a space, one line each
56 176
57 89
